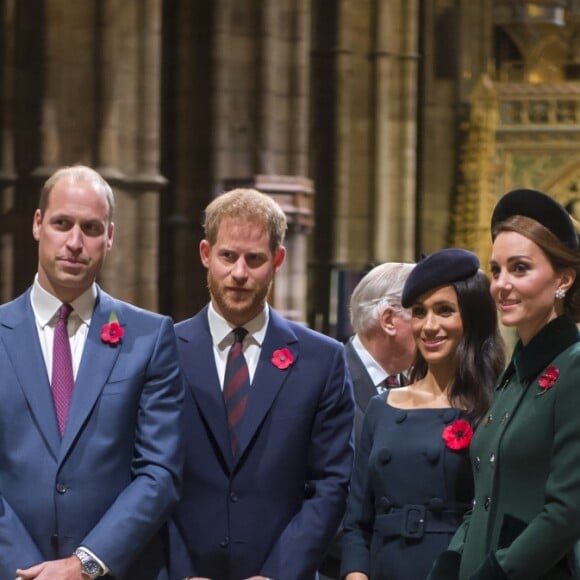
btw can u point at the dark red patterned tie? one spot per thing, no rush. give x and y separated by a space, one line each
236 385
63 381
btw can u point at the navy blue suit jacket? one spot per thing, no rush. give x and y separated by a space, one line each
272 510
112 480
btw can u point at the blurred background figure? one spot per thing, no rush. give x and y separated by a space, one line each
382 348
412 480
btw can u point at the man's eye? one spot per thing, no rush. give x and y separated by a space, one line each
92 229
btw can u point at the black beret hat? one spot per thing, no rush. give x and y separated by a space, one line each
540 207
442 267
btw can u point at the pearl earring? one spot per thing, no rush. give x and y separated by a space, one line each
560 293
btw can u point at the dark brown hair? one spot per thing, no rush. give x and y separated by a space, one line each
480 354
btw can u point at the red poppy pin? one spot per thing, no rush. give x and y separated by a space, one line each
112 332
548 378
457 436
282 358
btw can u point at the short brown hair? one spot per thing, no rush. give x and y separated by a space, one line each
76 173
248 205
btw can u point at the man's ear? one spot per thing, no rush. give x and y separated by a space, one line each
279 256
204 250
36 224
387 322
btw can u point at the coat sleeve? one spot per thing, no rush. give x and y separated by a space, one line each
301 546
144 505
358 523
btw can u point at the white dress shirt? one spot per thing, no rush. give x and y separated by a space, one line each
45 307
223 339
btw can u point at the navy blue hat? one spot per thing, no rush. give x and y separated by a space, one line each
540 207
438 269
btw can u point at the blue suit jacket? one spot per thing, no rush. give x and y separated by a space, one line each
112 480
364 388
273 509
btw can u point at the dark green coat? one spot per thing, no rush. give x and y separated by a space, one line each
526 460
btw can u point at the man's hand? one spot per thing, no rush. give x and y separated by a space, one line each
65 569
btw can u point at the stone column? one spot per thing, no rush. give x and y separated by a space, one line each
395 129
128 143
7 166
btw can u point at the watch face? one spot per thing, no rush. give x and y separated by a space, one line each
91 567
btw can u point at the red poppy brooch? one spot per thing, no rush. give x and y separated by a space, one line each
548 378
112 332
457 436
282 358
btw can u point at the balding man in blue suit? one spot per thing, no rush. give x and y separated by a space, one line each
269 505
85 488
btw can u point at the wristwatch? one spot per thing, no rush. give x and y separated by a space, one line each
89 566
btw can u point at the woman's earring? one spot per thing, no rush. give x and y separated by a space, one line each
560 293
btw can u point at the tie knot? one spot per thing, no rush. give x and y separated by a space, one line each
239 334
64 311
392 381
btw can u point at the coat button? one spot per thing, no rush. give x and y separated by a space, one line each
61 488
234 496
225 542
477 462
487 503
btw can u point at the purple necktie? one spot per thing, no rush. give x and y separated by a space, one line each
392 382
62 370
236 385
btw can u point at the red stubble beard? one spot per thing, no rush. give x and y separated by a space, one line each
237 306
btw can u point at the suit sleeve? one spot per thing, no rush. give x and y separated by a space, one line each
144 505
302 544
17 549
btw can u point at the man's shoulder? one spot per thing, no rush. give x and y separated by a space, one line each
198 319
304 333
19 304
126 311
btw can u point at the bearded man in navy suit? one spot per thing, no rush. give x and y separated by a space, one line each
268 506
88 480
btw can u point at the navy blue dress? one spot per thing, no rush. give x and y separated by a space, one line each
408 492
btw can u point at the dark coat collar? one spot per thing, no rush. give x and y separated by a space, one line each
530 360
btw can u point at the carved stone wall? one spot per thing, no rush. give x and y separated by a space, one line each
81 84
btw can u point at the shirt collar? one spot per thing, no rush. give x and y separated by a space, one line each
45 304
375 370
221 329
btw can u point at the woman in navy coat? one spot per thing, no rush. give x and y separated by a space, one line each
412 481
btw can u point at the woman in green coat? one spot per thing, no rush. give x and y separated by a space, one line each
525 453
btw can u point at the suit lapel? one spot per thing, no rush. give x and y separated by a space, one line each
268 379
364 389
23 349
95 367
198 367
